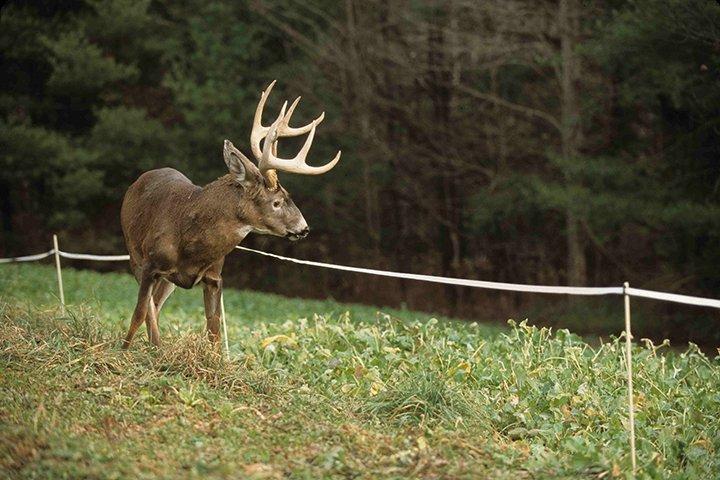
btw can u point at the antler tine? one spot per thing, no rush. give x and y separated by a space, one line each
292 109
261 104
296 164
273 131
287 131
267 150
266 156
258 130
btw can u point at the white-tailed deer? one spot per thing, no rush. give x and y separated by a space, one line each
178 233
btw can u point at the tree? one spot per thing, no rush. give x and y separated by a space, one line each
71 112
544 142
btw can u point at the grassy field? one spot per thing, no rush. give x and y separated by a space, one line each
326 390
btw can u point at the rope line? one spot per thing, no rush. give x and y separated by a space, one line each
100 258
28 258
451 280
673 297
464 282
636 292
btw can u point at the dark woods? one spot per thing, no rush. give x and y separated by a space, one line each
555 142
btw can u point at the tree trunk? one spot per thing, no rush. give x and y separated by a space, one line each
571 133
360 110
440 77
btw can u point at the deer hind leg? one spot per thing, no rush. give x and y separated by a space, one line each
152 325
161 292
142 308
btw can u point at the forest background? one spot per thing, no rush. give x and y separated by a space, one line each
551 142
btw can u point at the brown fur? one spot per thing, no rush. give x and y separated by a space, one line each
178 233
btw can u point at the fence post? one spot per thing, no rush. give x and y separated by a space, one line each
628 360
224 325
59 273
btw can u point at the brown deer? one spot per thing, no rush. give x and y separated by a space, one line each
178 233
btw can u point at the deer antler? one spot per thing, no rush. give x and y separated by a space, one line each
268 162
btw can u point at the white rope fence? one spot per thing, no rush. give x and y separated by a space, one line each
99 258
513 287
463 282
626 291
28 258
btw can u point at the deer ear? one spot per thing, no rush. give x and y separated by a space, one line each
238 163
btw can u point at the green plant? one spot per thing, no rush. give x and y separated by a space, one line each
348 392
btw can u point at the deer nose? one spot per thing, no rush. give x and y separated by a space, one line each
304 232
301 232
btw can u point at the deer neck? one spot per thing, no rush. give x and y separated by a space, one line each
215 222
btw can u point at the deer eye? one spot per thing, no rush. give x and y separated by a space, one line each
276 204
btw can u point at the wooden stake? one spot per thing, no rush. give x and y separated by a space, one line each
59 273
628 359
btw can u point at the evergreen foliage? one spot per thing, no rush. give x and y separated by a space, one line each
465 151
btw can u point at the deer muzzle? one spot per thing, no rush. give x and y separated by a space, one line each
298 234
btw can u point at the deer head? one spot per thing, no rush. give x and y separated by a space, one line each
270 209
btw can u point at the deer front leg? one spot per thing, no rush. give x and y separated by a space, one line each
142 308
211 295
